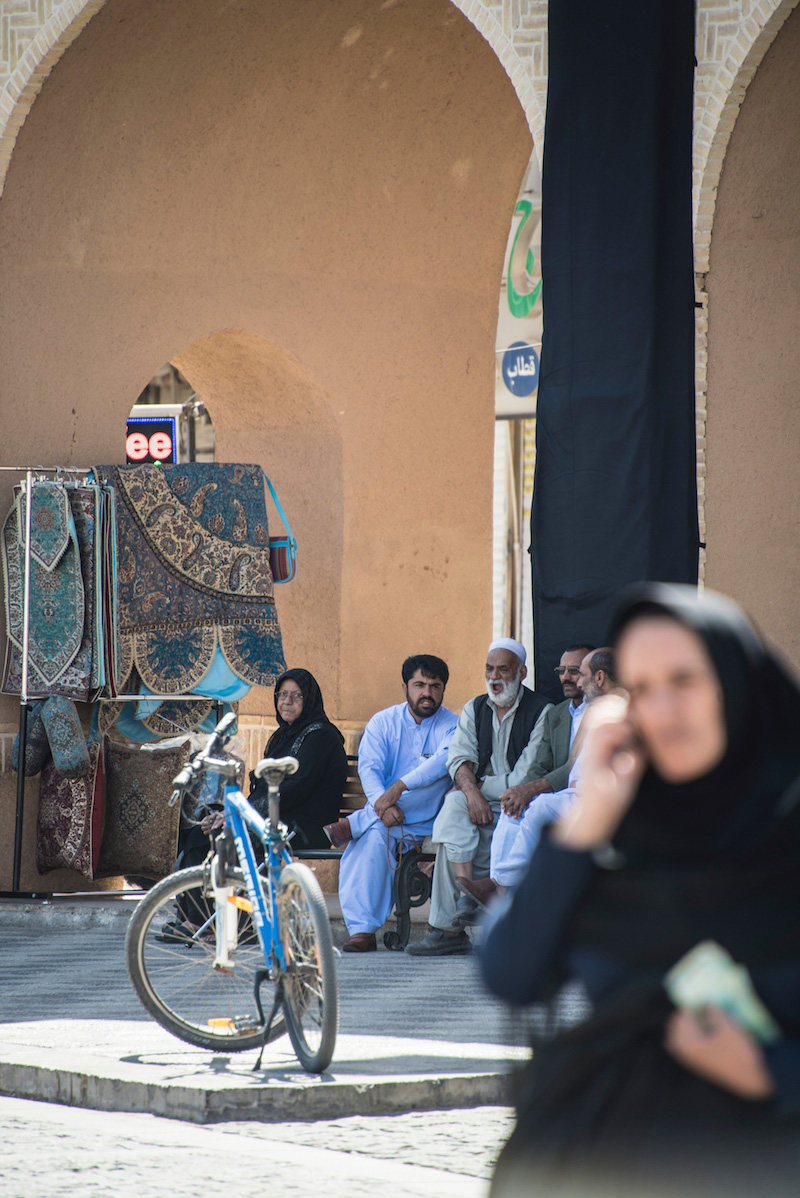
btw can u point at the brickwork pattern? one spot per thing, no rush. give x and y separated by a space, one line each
33 36
517 32
732 38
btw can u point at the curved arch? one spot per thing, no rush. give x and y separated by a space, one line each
721 86
25 70
721 83
523 55
31 51
753 357
522 52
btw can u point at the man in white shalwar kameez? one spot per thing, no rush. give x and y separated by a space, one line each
402 764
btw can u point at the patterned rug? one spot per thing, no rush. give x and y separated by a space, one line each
193 574
50 515
85 672
56 604
37 746
141 829
70 818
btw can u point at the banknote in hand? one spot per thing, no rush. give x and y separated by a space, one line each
708 976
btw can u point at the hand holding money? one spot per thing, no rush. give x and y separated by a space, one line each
719 1021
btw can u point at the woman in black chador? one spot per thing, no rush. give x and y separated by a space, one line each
686 830
308 799
312 797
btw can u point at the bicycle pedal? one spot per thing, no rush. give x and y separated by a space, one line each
239 1023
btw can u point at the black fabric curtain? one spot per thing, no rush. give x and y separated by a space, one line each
615 493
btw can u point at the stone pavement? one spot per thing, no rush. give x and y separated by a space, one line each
414 1033
51 1151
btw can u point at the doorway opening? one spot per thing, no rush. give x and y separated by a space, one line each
169 422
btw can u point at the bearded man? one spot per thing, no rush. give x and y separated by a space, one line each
402 763
496 741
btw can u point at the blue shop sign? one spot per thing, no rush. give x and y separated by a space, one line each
521 368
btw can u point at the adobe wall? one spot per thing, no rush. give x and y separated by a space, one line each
753 504
306 207
324 257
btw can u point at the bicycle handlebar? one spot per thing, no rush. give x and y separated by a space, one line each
194 767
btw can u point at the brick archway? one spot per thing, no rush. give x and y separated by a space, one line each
31 49
728 56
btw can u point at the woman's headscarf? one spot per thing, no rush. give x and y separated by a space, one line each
724 848
727 812
313 710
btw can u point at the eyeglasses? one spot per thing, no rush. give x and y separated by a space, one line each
290 697
573 670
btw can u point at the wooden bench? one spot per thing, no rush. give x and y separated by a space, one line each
412 886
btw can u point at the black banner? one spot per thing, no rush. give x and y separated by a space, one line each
615 488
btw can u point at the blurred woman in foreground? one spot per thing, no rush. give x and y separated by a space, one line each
686 830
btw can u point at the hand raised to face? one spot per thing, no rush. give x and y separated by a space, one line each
613 762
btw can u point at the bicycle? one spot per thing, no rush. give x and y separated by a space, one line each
257 924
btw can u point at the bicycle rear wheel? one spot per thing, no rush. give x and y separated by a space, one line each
174 976
310 992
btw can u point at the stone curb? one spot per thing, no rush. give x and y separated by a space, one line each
19 912
265 1103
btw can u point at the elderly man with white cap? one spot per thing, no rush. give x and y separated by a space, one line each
495 742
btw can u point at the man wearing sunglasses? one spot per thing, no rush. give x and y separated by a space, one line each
548 772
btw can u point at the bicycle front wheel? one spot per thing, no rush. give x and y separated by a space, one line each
310 992
173 974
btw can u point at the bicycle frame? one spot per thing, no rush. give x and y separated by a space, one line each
239 816
285 940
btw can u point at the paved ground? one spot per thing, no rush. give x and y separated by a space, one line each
60 1152
413 1033
409 1025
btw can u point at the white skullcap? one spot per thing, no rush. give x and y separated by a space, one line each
506 642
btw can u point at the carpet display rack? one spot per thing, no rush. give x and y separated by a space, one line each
31 472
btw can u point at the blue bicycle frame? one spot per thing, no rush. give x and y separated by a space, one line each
239 816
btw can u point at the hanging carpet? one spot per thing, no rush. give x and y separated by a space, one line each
86 671
70 818
193 575
56 603
50 524
140 836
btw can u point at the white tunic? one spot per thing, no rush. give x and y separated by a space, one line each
394 747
